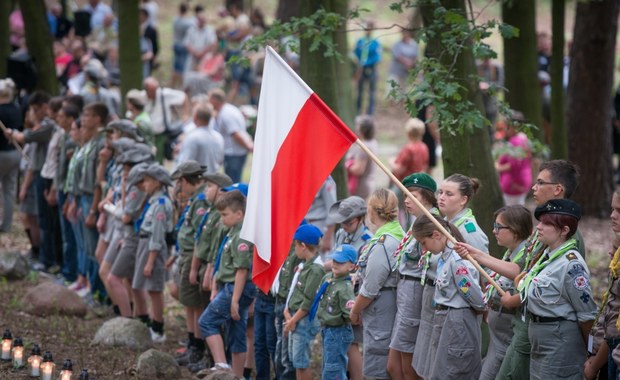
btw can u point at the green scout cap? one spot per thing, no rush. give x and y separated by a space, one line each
421 180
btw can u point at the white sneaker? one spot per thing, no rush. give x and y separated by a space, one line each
83 292
157 337
220 366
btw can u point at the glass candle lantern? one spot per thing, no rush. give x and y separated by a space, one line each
34 361
18 353
67 370
7 341
47 367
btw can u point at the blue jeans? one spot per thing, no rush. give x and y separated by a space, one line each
91 237
78 232
264 335
69 246
369 74
300 342
47 254
613 372
336 342
218 314
233 166
284 367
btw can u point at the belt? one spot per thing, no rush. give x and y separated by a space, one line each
267 297
428 281
144 236
444 307
387 288
280 299
501 309
538 319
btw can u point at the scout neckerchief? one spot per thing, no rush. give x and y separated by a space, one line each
219 253
392 228
614 267
489 290
467 214
319 295
524 284
201 226
138 222
405 241
180 222
533 244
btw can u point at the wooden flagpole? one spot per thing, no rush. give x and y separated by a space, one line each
15 144
427 213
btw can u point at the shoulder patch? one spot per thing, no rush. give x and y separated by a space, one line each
462 270
243 247
162 200
160 216
571 256
470 227
580 283
132 196
201 211
201 196
366 236
350 304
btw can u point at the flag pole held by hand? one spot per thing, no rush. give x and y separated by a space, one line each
15 144
427 213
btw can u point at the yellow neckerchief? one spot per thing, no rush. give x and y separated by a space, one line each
614 267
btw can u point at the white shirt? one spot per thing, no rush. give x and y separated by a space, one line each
205 146
228 121
172 98
51 159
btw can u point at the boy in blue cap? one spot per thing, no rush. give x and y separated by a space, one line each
301 331
333 302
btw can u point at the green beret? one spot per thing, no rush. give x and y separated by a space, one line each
421 180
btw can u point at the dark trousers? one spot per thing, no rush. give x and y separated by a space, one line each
49 224
369 75
264 335
69 246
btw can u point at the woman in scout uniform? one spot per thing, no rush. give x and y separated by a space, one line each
150 274
453 196
350 214
455 342
556 291
377 296
410 288
512 227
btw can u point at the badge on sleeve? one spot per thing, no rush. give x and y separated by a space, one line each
201 211
462 270
161 216
350 304
243 247
132 196
580 283
571 256
470 227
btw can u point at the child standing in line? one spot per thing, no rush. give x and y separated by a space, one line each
456 337
235 290
150 273
301 331
334 300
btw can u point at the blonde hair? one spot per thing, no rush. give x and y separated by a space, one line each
415 128
384 203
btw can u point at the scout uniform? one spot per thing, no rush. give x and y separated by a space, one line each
378 282
421 355
188 223
125 262
499 318
465 221
234 253
558 297
340 212
410 284
126 128
334 300
157 223
456 338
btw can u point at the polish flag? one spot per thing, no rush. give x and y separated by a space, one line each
298 142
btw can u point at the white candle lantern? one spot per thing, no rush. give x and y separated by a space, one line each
47 367
34 361
18 353
67 370
7 341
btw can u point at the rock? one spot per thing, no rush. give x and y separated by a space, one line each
13 265
124 332
153 364
49 298
221 374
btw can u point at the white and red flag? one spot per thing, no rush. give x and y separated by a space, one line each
298 142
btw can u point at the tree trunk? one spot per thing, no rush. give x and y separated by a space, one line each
130 63
5 47
559 142
39 42
287 9
329 77
589 102
468 153
521 62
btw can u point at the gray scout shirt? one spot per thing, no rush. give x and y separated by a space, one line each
471 231
41 138
158 221
357 239
88 174
376 267
517 256
562 289
457 282
134 202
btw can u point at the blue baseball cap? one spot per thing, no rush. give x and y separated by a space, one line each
242 187
345 253
308 233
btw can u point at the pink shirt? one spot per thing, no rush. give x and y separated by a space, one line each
517 179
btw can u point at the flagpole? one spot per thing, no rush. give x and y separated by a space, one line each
427 213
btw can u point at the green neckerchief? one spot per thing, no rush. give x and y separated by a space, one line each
392 228
467 215
495 276
542 264
533 244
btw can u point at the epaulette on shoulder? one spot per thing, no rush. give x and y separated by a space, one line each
382 239
162 200
571 256
201 196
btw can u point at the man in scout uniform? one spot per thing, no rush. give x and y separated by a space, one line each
190 179
334 300
235 292
124 128
156 225
301 331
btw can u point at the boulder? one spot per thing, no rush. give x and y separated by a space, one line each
49 298
13 265
153 364
221 374
124 332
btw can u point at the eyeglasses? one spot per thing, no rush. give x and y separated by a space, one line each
497 227
540 182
